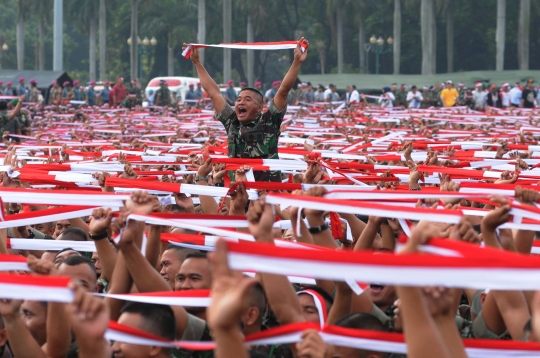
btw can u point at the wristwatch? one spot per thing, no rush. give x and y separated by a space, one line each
416 189
318 229
97 237
197 178
220 184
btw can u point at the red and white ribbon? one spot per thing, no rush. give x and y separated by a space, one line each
37 288
191 298
507 271
281 45
13 263
338 336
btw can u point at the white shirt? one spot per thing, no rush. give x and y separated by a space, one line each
355 96
515 95
505 98
479 98
416 99
386 100
328 94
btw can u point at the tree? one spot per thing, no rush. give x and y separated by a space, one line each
397 36
500 34
427 24
339 22
227 33
83 17
43 10
21 10
102 40
449 5
201 26
134 46
523 34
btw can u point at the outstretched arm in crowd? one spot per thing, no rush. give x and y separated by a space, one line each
422 333
89 317
99 225
208 204
280 100
279 291
230 292
207 83
58 327
511 305
144 275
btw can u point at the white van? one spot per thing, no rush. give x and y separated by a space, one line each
178 85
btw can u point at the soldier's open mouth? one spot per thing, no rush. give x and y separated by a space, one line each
242 110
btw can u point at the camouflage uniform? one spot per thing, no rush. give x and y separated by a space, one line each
256 139
164 96
129 102
24 120
55 95
34 95
4 119
401 98
462 92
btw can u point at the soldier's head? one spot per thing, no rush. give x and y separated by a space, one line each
249 104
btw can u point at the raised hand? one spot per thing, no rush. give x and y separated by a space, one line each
101 220
229 292
311 345
205 168
261 217
195 58
299 56
239 199
185 202
89 317
143 203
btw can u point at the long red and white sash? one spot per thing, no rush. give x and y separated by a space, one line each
13 263
345 337
191 298
281 45
37 288
508 271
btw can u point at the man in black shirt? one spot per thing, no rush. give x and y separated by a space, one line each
528 96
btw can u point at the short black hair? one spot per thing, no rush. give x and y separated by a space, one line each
79 260
361 320
413 87
66 249
3 105
325 295
73 234
182 252
257 298
197 255
353 86
156 319
259 94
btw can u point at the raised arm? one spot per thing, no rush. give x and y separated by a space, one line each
17 108
207 83
280 100
279 291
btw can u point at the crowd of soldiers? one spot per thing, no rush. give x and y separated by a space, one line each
72 92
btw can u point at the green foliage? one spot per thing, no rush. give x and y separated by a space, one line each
173 22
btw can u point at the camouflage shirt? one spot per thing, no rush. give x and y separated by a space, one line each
163 96
34 95
55 94
256 139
